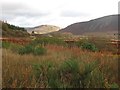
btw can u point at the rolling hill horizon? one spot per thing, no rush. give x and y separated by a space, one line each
106 24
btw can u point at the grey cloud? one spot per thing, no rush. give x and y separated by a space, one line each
7 7
12 10
70 13
119 7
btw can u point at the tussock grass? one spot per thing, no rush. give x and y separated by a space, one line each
60 67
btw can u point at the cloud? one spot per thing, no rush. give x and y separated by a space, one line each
119 7
58 12
70 13
14 10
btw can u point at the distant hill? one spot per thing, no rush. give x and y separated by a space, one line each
43 29
9 30
103 25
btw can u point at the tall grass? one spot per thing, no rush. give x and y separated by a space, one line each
60 67
48 40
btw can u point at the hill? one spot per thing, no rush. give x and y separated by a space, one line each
43 29
9 30
103 25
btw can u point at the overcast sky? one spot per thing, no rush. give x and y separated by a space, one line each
30 13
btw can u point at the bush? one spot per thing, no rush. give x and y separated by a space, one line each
103 44
69 73
70 65
39 51
48 40
36 50
12 46
56 77
86 44
114 85
89 46
92 76
5 45
80 42
47 72
26 50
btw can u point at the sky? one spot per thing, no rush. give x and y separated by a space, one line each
31 13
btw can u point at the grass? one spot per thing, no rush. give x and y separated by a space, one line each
60 67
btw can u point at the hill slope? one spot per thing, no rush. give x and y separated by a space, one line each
9 30
100 25
43 29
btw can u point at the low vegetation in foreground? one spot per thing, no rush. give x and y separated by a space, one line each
52 63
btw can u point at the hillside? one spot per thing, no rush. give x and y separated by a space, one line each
43 29
103 25
9 30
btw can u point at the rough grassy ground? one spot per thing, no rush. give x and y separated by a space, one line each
0 68
37 71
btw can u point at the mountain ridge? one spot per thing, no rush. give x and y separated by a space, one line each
102 24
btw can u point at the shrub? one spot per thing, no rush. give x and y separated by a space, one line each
5 45
48 40
26 50
70 65
92 77
95 79
53 77
12 46
47 72
103 44
80 42
36 50
100 43
69 71
39 51
114 85
89 46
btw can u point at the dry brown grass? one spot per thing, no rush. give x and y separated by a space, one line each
0 68
18 72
